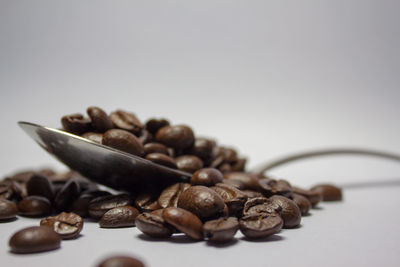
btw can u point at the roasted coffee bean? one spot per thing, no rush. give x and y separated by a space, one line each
203 148
272 187
67 195
40 185
313 196
153 125
121 261
126 121
95 137
184 221
34 206
243 181
221 230
145 137
81 204
147 201
153 224
252 193
329 192
11 190
260 205
260 225
64 176
8 209
66 225
230 155
124 216
239 165
303 203
202 201
189 163
100 120
155 148
99 206
170 195
233 198
124 141
162 159
290 212
225 168
34 239
177 136
76 124
206 177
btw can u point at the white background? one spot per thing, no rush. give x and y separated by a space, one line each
267 77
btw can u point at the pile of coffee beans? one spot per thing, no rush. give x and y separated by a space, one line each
219 200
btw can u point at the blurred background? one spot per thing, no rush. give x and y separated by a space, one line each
267 77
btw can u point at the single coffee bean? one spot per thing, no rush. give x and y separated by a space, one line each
124 216
121 261
161 159
270 187
155 148
184 221
329 192
230 155
95 137
203 148
34 206
34 239
99 206
221 230
76 124
225 168
290 212
170 195
313 196
11 190
202 201
126 121
189 163
206 177
260 226
100 120
239 165
153 224
147 201
124 141
66 225
40 185
233 198
67 195
260 205
8 209
81 204
303 203
153 125
145 137
177 136
243 181
252 193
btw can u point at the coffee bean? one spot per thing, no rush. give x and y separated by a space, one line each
239 165
147 201
225 168
243 181
124 216
40 185
66 225
177 136
233 198
34 206
34 239
261 225
230 155
329 192
145 137
121 261
95 137
189 163
290 212
260 205
153 125
221 230
126 121
202 201
313 196
162 159
67 195
170 195
100 120
76 124
203 148
8 209
99 206
184 221
81 204
303 203
275 187
124 141
252 193
153 224
206 177
155 148
11 190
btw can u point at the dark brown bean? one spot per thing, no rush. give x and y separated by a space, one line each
99 206
124 141
124 216
313 196
152 224
239 165
34 239
100 120
233 198
95 137
270 187
189 163
184 221
121 261
155 148
303 203
206 177
203 148
252 193
290 212
162 159
170 195
8 209
11 190
329 192
66 225
260 226
221 230
243 181
40 185
177 136
153 125
126 121
260 205
76 124
147 201
34 206
22 176
67 195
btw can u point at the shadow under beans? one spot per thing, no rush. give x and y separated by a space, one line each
317 208
75 238
272 238
222 245
176 239
8 220
293 228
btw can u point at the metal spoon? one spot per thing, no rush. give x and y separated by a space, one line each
103 164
